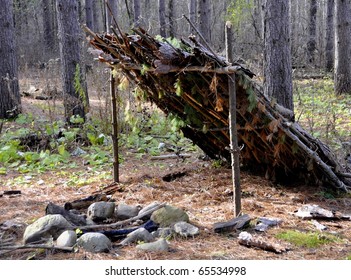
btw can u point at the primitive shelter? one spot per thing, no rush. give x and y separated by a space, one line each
191 83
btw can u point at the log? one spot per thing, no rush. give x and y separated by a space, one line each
233 224
171 156
84 203
246 239
78 220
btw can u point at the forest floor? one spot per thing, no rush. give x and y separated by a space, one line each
205 193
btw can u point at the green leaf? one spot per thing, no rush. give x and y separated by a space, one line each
178 87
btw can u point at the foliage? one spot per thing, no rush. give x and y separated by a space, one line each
320 111
239 11
309 239
62 141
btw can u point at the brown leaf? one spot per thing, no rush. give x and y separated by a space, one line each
273 125
214 83
219 104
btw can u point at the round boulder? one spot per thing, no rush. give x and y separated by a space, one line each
46 227
94 242
67 238
169 215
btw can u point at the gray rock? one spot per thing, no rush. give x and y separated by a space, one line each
147 208
102 210
169 215
319 226
160 245
46 227
309 211
261 227
125 211
67 238
264 223
141 234
94 242
166 232
185 229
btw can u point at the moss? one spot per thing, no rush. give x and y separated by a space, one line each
306 239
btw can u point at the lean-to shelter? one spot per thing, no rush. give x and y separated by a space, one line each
190 82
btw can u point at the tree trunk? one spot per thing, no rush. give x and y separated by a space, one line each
277 53
147 11
48 24
192 14
171 23
89 15
10 101
73 78
162 17
342 76
111 18
205 19
137 13
329 47
311 45
97 15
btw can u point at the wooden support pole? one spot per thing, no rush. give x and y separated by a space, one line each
234 148
114 128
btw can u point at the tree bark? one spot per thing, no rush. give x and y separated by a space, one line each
342 75
277 53
111 18
10 101
137 13
97 15
205 19
192 14
49 38
311 45
162 17
171 23
329 47
89 15
73 76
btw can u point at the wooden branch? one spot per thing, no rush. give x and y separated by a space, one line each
124 222
35 246
176 69
114 135
171 156
233 131
261 244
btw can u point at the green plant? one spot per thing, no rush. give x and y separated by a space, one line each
79 87
320 111
239 11
306 239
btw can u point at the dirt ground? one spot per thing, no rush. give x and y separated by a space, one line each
205 192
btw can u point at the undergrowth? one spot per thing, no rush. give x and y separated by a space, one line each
325 115
307 239
32 145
